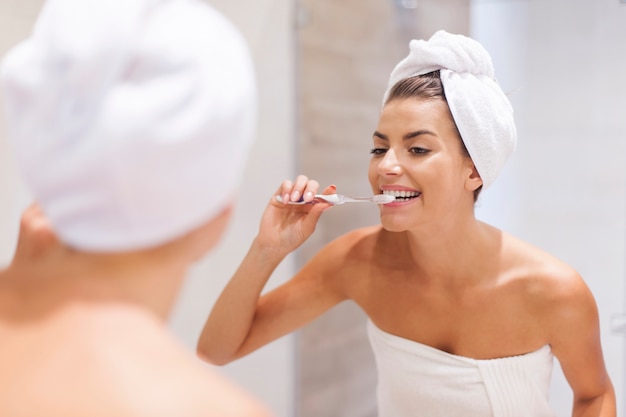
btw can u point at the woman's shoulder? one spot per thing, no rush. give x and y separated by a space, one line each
149 361
127 356
206 391
358 234
352 248
553 291
539 273
357 242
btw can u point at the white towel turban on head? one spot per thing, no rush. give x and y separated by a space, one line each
131 119
481 110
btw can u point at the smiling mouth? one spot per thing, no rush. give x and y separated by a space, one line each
402 196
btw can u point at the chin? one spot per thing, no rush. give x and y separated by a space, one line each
394 229
393 224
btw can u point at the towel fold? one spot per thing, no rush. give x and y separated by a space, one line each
131 119
481 110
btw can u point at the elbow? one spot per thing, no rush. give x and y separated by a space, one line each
603 404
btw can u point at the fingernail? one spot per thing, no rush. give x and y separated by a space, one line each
295 196
286 198
308 195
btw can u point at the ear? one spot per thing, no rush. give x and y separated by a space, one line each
473 180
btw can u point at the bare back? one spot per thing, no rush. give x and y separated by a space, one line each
77 358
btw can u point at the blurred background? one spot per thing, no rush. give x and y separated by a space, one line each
322 67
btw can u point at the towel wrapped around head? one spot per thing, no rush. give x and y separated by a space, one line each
481 110
131 120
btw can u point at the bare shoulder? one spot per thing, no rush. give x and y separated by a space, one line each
109 362
192 388
538 269
355 245
548 283
173 381
326 270
152 373
564 311
179 384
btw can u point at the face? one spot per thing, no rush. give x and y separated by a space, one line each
417 156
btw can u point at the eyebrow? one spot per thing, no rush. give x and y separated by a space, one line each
407 136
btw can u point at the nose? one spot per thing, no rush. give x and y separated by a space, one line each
389 164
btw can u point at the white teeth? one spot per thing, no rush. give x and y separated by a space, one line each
401 194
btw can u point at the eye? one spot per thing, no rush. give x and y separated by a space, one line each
378 151
419 151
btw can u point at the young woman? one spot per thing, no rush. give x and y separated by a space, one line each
464 319
116 110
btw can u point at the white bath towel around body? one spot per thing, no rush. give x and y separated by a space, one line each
416 380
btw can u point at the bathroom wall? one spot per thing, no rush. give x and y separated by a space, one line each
268 27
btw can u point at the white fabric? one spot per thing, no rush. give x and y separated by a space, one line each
417 380
481 110
131 119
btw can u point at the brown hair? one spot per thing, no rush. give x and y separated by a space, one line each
426 87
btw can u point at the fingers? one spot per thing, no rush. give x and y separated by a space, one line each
36 236
301 188
35 223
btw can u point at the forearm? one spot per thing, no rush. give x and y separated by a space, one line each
233 314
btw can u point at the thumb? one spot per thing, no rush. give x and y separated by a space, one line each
331 189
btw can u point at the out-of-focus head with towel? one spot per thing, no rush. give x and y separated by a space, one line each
480 109
131 128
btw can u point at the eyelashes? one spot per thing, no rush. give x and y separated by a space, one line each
419 151
413 151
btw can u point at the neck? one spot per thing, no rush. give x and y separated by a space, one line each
454 254
147 280
141 279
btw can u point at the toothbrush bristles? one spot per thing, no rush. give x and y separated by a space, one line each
383 198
